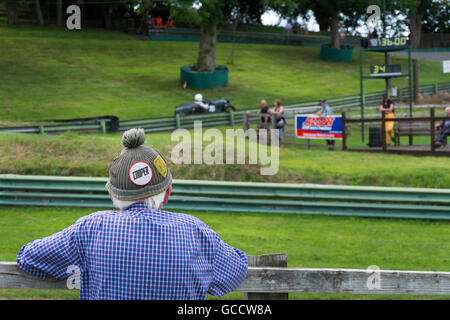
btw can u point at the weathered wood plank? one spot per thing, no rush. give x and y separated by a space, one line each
11 277
278 260
289 280
353 281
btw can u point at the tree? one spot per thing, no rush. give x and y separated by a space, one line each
415 10
39 15
330 12
437 17
209 15
11 7
59 13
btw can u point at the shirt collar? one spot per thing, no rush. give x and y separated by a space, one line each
138 206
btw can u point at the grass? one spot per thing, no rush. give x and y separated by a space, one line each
90 155
50 73
309 241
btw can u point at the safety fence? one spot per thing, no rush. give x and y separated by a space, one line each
222 196
227 36
167 124
268 278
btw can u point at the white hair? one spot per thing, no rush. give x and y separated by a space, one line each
154 202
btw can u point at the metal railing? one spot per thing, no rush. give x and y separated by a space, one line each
167 124
222 196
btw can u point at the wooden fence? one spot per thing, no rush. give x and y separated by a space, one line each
431 120
269 278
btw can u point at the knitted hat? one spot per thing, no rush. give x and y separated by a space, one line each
138 172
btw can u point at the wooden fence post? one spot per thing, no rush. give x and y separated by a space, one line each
246 122
267 260
103 126
178 121
432 129
344 133
383 130
231 117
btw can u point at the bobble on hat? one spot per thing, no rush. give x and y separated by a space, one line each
133 138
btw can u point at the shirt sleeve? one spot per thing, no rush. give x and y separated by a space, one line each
51 255
229 270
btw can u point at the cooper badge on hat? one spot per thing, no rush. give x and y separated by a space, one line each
140 173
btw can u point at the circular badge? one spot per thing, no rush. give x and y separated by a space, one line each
140 173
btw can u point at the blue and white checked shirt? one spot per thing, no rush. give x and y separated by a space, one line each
139 253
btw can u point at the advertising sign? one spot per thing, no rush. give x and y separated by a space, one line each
316 127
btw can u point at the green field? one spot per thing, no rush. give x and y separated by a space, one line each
49 73
309 241
90 155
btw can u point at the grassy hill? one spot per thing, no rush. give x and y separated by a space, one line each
91 154
49 73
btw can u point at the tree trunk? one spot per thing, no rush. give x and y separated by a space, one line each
12 16
415 27
335 39
323 20
207 53
39 15
59 13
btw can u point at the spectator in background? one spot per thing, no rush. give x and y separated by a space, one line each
295 27
387 107
280 122
443 130
158 21
169 22
265 120
306 29
326 110
288 26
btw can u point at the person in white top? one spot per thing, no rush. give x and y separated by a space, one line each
198 99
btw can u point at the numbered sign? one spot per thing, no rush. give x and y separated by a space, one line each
386 69
394 42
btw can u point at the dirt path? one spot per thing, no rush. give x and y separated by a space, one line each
438 56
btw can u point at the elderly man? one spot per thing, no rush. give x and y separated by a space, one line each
140 251
443 130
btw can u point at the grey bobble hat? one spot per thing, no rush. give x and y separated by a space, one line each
138 172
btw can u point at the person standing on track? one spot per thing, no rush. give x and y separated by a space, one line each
139 251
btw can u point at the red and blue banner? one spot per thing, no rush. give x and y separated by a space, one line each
318 127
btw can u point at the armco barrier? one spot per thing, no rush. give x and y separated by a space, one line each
165 124
224 196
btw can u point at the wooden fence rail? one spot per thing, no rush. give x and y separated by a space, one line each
270 280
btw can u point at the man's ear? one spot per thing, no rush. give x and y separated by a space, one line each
167 195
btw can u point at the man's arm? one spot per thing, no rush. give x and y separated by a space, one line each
51 255
229 269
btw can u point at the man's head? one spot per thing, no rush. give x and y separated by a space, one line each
263 103
138 174
323 103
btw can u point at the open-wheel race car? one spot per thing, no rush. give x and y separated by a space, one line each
206 106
